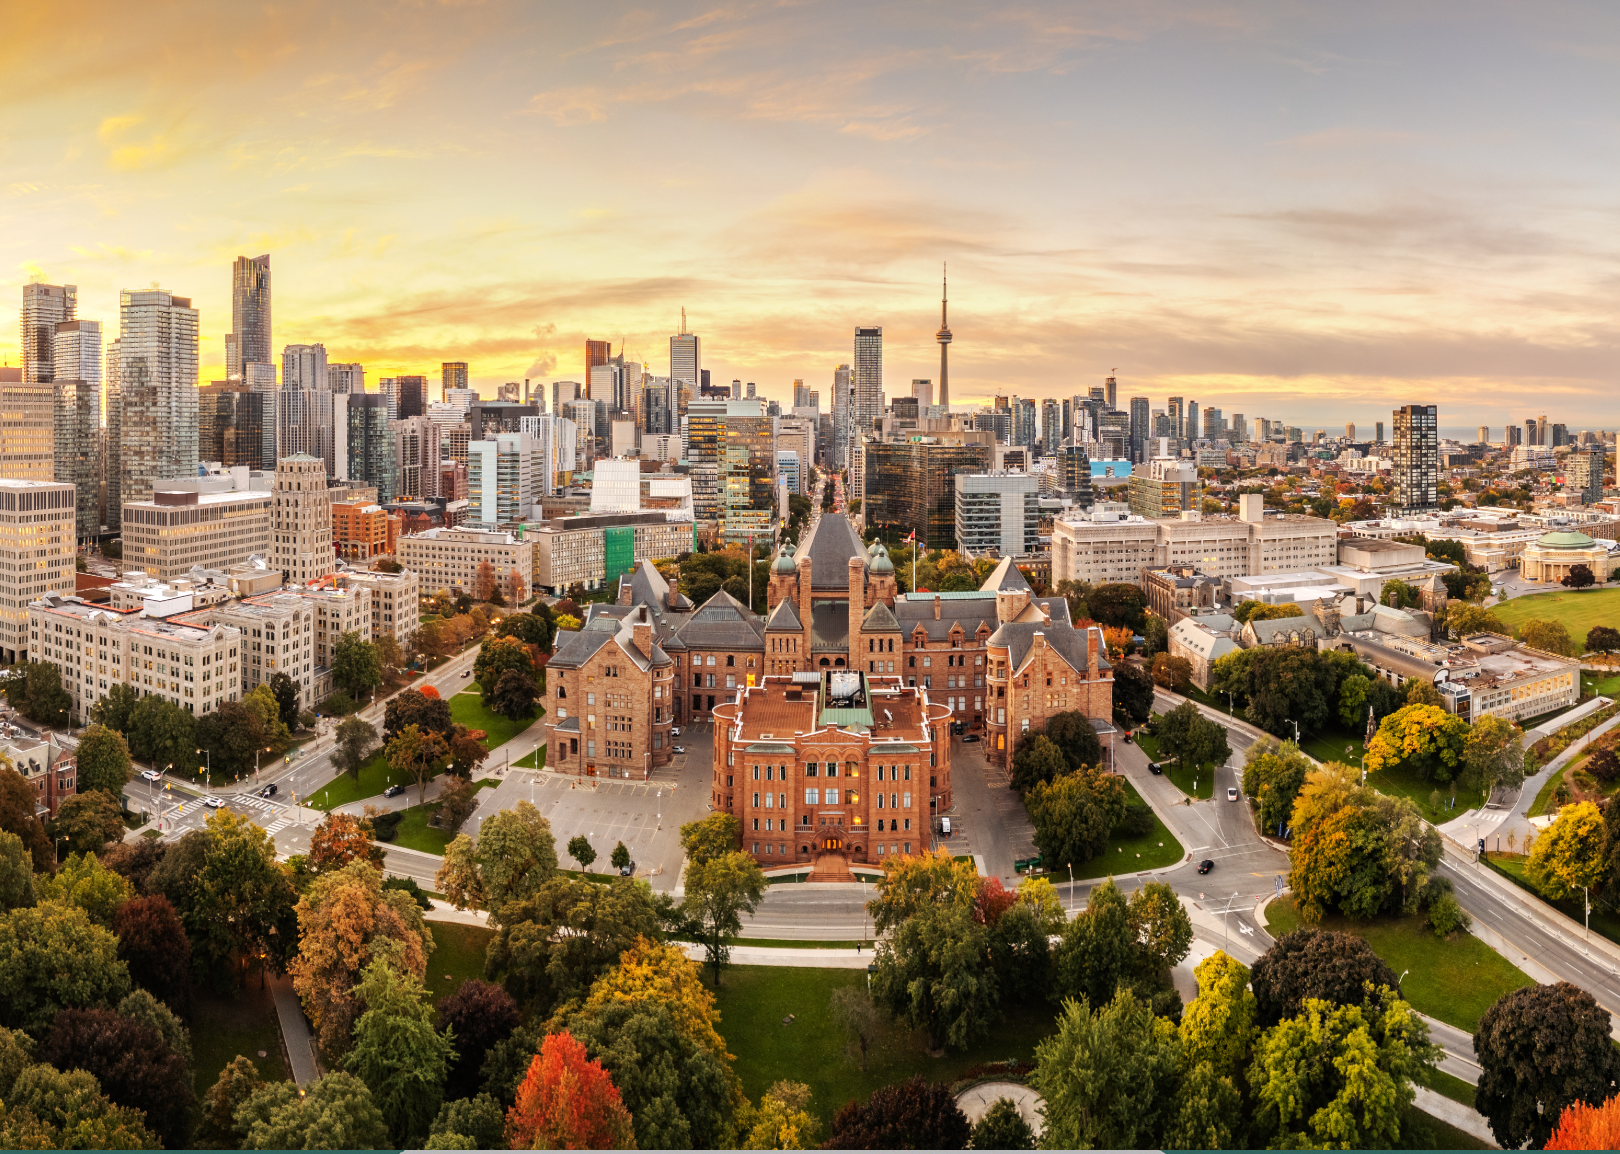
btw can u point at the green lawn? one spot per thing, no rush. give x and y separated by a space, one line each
753 1000
1451 1086
1127 855
1403 783
534 760
468 709
1184 780
1578 611
1597 685
414 832
239 1022
1544 797
1455 981
459 955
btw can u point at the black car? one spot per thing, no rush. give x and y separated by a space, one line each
394 791
971 737
1127 737
1205 866
268 791
1154 767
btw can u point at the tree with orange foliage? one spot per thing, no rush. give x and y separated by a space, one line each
515 588
483 581
567 1102
341 839
1583 1127
429 691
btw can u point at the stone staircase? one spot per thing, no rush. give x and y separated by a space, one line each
831 866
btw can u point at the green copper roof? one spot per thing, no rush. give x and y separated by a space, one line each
1564 539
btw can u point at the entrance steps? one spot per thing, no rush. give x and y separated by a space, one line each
831 866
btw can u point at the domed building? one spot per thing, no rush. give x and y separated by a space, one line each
1549 560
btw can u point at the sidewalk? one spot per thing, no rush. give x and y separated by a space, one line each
300 1044
1465 1118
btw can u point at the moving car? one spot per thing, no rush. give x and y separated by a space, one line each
1205 866
394 791
1127 737
268 791
466 672
1231 793
151 775
1155 768
213 803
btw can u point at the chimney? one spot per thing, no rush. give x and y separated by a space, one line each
936 606
641 631
1091 653
525 390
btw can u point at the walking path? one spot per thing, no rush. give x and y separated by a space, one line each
976 1101
1465 1118
300 1044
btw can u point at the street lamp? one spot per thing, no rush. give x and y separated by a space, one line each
1226 922
210 767
1296 731
1071 887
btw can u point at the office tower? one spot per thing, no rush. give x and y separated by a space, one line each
112 455
413 396
596 353
1173 411
304 423
500 479
1583 473
1543 431
44 307
1189 425
562 391
157 374
1240 429
685 357
1262 430
749 395
464 399
36 554
1484 435
843 409
944 339
1530 438
1114 435
660 405
1560 435
1512 436
76 422
582 413
801 395
249 339
1068 421
997 514
1141 431
345 379
1349 430
371 444
301 524
452 375
1417 453
416 458
1212 424
1167 488
1378 432
1111 392
1051 427
305 367
868 379
1074 475
912 486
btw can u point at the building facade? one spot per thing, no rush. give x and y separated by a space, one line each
597 549
180 528
301 520
157 390
448 558
998 514
36 554
912 486
1417 457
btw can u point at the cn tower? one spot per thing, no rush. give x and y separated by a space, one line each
944 339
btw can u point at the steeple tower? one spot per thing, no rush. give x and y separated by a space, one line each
944 339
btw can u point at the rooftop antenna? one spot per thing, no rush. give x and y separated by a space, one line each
683 321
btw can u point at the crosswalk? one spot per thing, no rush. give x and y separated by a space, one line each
277 826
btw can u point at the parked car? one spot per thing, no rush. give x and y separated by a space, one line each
679 748
151 775
970 738
1231 793
1155 768
213 803
1205 866
628 871
945 827
394 791
269 790
674 731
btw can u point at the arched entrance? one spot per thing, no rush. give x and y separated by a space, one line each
832 842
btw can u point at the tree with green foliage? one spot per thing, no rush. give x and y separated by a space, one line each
412 707
1399 594
781 1121
237 1082
1076 738
620 859
334 1112
50 1110
1273 773
233 734
475 1123
35 690
1109 1076
1423 740
1493 755
1173 673
397 1052
1602 639
1098 951
86 822
1547 635
710 837
536 628
82 881
1360 852
354 740
514 858
102 761
162 734
240 915
115 709
153 944
1254 609
1218 1027
497 656
933 974
1208 1111
1567 857
417 756
913 883
1462 619
1325 965
1540 1049
579 848
1156 638
1191 738
53 957
356 664
285 691
1074 814
1339 1075
513 696
16 872
132 1063
718 892
1133 696
1161 929
1002 1128
1036 761
1119 604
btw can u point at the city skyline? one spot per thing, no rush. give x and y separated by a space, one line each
1346 227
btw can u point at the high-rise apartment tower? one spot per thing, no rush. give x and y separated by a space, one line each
1417 457
249 339
157 390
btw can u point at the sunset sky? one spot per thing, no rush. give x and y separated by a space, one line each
1302 211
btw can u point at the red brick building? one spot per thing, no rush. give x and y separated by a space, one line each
609 692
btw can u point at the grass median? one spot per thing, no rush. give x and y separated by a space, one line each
1453 980
1126 855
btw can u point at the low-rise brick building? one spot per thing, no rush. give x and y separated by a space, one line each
832 766
610 690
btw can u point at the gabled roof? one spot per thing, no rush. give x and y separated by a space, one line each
1067 641
1264 632
647 584
1005 578
880 620
579 647
784 618
722 622
830 545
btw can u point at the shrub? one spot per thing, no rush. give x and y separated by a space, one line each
340 704
1138 819
1446 917
385 825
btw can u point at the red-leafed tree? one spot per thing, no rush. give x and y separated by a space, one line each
993 900
1583 1127
567 1102
341 839
515 588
